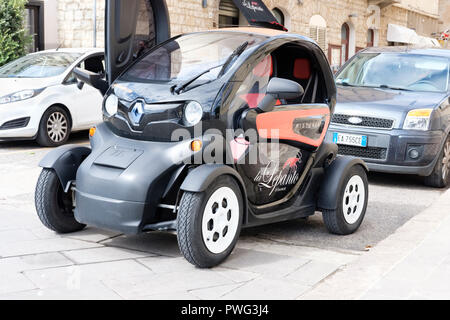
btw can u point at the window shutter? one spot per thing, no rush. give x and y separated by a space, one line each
227 8
319 34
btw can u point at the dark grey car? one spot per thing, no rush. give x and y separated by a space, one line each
393 111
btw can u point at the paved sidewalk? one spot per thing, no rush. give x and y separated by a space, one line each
36 263
413 263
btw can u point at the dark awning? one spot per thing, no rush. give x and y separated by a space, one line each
257 13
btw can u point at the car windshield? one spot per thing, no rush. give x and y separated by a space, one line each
39 65
188 56
396 71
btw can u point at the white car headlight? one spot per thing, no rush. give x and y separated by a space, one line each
111 104
19 96
193 113
418 119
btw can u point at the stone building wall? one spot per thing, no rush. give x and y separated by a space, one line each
444 11
75 19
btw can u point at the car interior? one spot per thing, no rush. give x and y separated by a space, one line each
301 67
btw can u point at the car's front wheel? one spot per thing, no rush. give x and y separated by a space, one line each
54 128
209 223
55 207
440 177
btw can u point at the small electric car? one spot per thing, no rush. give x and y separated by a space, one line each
176 150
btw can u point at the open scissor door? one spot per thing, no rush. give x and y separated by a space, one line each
257 14
131 27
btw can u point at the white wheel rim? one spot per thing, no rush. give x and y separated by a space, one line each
354 199
220 220
57 127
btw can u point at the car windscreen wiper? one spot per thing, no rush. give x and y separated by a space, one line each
384 86
180 87
236 53
345 84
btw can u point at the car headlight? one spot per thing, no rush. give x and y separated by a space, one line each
418 119
111 105
20 96
193 113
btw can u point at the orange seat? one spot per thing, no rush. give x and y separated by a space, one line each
302 69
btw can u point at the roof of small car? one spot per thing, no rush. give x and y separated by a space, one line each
411 50
256 30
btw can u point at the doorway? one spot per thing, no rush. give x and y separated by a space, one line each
345 41
34 22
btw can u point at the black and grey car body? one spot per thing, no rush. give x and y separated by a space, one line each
379 114
139 176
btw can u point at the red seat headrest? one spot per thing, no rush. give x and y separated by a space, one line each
302 69
264 68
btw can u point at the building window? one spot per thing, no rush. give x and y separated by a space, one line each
279 16
318 31
345 37
228 14
370 38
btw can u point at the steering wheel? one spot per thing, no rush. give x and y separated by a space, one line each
423 82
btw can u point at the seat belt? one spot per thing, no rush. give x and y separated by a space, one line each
313 100
307 88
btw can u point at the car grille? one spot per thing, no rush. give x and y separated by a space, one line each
360 152
369 122
14 124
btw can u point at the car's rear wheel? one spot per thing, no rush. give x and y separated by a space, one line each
54 129
209 223
55 207
440 177
352 203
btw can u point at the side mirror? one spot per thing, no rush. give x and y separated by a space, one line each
95 80
279 88
80 85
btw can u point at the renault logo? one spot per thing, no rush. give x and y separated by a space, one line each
136 113
355 120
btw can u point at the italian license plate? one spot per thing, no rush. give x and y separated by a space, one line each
350 139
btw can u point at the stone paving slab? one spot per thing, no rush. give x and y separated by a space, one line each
11 282
80 276
161 243
267 288
265 263
166 283
34 262
42 245
103 254
97 291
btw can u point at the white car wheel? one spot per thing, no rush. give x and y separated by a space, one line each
220 220
354 199
209 222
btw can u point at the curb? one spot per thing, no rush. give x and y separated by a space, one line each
354 280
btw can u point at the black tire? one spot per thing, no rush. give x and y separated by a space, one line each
336 221
440 177
53 206
47 138
189 225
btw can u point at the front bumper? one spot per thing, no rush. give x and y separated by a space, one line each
120 184
19 110
390 150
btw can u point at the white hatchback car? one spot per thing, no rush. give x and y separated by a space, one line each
41 99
